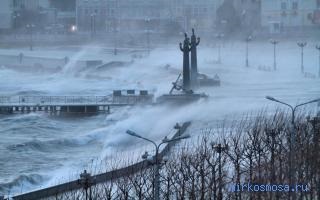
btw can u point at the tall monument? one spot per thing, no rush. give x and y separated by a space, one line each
194 65
186 65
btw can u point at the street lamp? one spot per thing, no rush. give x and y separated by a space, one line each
293 109
15 17
274 42
219 148
30 28
219 37
86 181
115 32
93 24
148 34
248 39
318 48
292 135
302 45
156 160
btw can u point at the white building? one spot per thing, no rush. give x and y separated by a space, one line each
30 4
6 10
286 15
131 15
200 14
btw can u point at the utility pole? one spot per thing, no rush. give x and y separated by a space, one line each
318 48
274 42
302 45
219 148
248 39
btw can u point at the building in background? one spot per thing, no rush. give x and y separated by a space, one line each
90 13
249 12
30 4
6 13
288 15
51 16
139 15
36 12
316 15
199 14
64 15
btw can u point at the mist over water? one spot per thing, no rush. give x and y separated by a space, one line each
37 150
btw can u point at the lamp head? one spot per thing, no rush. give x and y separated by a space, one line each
270 98
316 100
177 126
273 41
129 132
302 44
165 139
182 137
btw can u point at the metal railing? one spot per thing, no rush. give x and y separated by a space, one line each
74 100
64 100
100 178
55 99
4 99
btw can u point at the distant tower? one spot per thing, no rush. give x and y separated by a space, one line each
194 63
186 66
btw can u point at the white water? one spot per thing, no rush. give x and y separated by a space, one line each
58 150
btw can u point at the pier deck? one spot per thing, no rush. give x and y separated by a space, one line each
68 104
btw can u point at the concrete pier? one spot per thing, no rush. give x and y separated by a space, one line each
58 105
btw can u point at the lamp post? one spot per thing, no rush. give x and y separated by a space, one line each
219 148
85 181
292 135
318 48
274 42
248 39
115 35
219 37
15 17
156 160
302 45
148 34
30 28
93 24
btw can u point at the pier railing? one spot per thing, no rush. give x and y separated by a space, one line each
76 185
49 100
73 100
5 99
64 100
